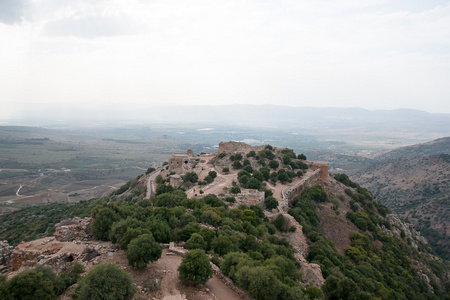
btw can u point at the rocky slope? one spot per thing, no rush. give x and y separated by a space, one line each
416 185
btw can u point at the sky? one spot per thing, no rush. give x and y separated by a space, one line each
374 54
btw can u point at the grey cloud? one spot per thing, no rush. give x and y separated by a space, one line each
11 11
93 26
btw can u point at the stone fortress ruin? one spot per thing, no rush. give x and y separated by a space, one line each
181 163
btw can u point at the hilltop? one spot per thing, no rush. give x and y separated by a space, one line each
276 224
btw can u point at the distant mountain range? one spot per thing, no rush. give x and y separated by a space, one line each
329 118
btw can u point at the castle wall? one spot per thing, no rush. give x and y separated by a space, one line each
322 166
290 193
232 147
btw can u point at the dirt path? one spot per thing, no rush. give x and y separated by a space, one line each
17 193
171 288
216 187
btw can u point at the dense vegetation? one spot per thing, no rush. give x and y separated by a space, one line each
38 283
376 265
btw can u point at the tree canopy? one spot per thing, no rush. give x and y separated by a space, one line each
195 267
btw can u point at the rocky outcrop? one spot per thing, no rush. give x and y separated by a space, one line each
5 256
74 230
59 255
398 226
26 254
250 197
312 274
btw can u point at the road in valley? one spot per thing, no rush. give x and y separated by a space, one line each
150 184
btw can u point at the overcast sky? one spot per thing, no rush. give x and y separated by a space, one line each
375 54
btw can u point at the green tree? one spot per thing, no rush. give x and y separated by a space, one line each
143 249
105 282
119 228
103 221
30 285
270 203
222 245
274 164
195 267
283 176
196 241
253 183
130 234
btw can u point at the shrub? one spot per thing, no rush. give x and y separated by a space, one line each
195 267
105 281
222 155
260 282
226 170
190 177
31 284
286 160
314 293
162 189
235 190
149 170
158 179
213 174
248 168
236 165
230 199
252 153
280 223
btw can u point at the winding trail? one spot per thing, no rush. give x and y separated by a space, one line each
17 193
